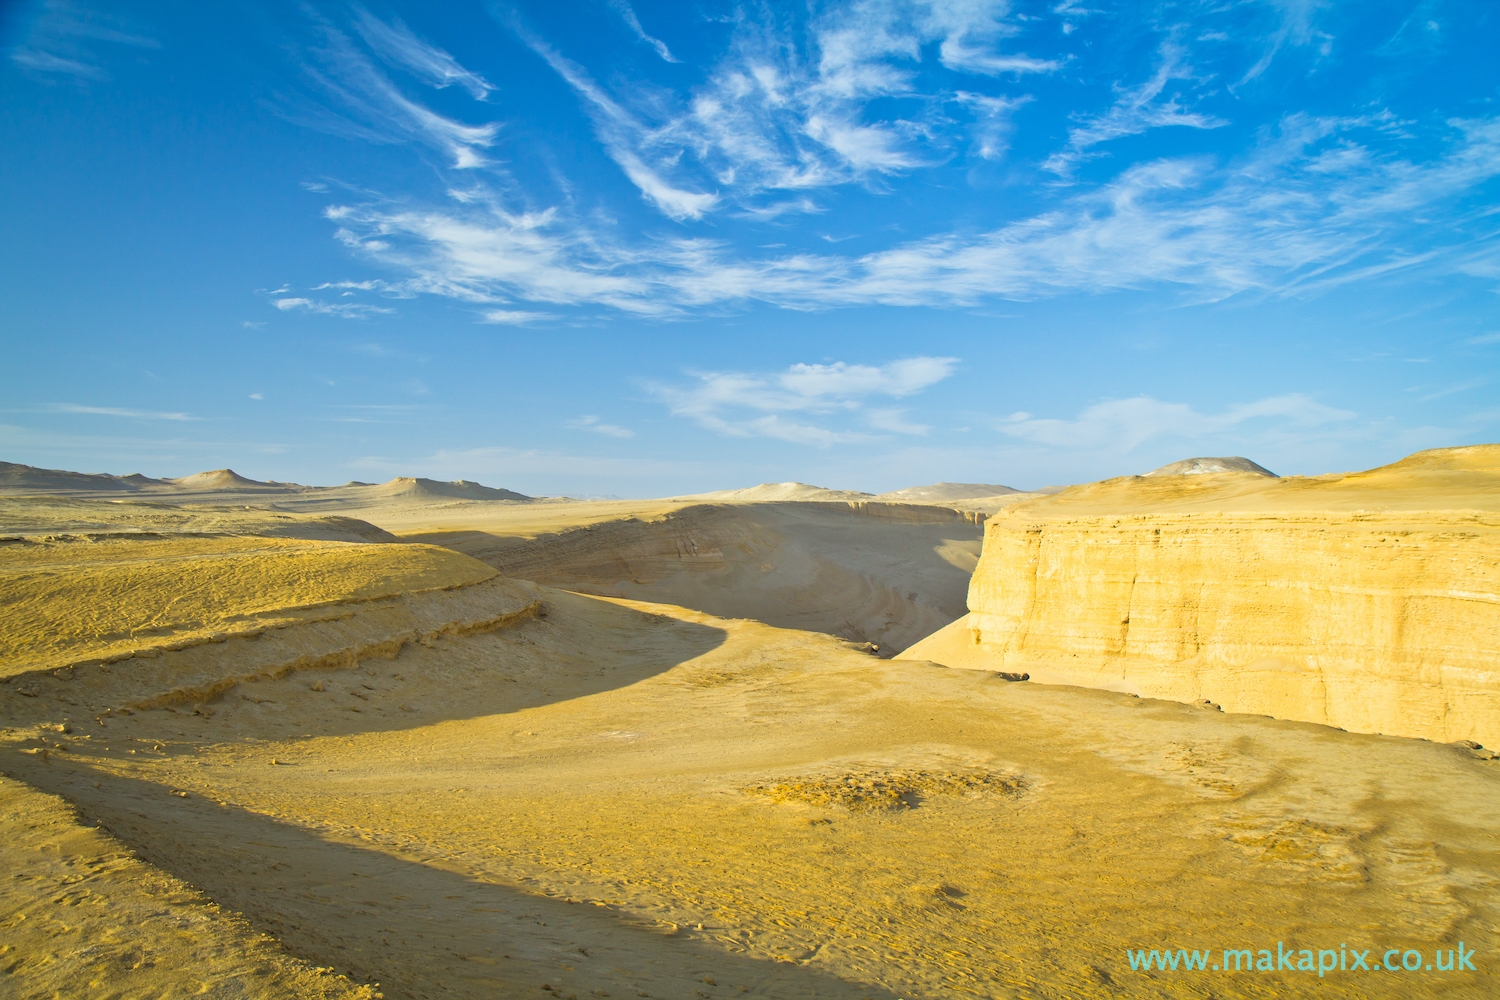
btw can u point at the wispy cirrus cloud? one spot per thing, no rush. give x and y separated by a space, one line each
630 142
398 46
344 310
1124 424
1295 26
370 104
779 405
593 423
1136 109
61 37
627 14
790 108
1309 208
119 411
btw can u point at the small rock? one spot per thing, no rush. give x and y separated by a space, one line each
1006 675
317 686
179 793
1205 703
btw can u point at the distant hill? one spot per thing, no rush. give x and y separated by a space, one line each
939 492
15 478
768 492
1201 466
461 489
227 480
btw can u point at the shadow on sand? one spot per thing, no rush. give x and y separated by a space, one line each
416 929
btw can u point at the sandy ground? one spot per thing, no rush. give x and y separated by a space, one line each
514 790
880 573
589 801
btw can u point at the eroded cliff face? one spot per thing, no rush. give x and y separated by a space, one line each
1369 602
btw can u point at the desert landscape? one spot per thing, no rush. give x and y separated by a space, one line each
426 739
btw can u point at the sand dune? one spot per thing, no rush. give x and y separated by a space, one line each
578 800
65 602
885 574
274 766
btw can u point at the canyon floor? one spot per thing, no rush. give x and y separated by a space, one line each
420 746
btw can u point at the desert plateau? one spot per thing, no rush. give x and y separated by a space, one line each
423 739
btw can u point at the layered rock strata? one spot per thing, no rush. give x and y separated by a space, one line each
1370 602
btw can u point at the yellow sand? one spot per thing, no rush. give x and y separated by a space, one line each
622 799
82 917
883 573
1368 601
62 602
464 795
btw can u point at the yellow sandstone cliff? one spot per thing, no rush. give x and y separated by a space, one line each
1368 601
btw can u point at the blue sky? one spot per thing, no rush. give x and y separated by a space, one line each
644 248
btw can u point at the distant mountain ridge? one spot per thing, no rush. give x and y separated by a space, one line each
1205 466
459 489
16 478
939 492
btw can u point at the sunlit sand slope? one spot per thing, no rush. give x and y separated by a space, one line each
1369 601
72 600
616 799
883 573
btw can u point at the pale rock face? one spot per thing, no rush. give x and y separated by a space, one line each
1369 602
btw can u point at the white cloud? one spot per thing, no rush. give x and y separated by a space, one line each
1136 109
896 422
1277 221
58 42
626 139
592 423
627 14
345 310
514 317
1296 18
381 112
993 122
791 110
396 44
116 411
1124 424
257 395
744 404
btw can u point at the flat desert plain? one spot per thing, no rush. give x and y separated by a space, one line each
425 740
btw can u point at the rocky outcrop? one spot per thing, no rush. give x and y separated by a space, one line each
1370 602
